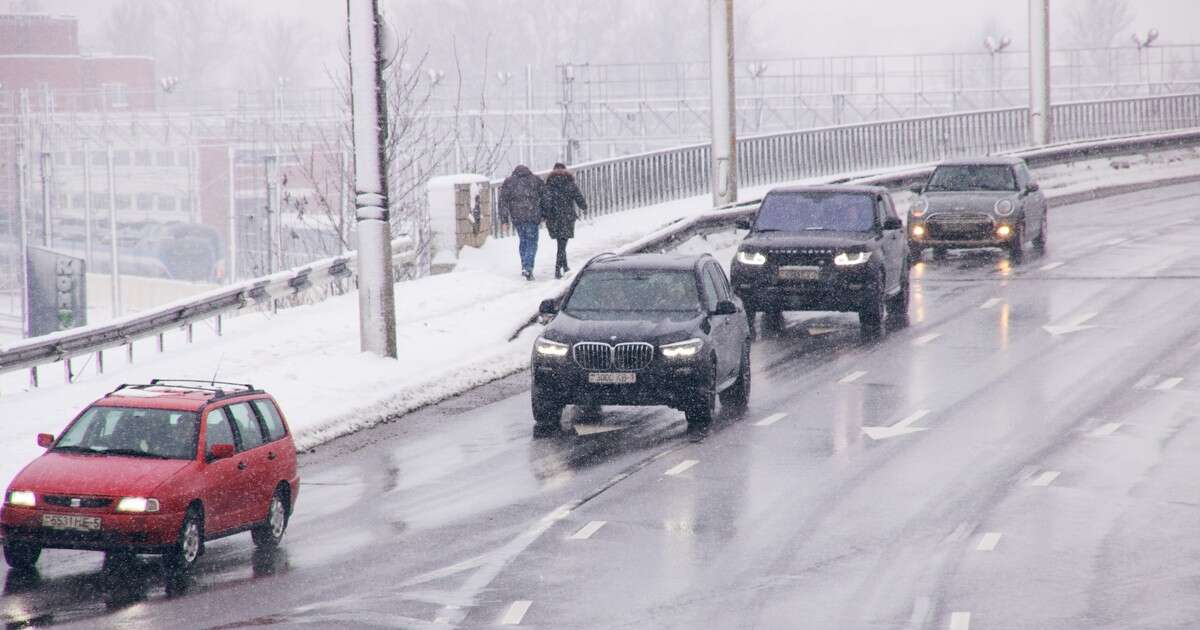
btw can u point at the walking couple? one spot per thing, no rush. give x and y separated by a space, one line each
525 201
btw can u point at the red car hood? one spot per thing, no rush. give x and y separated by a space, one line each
96 475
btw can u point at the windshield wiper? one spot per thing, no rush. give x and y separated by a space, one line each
73 449
126 451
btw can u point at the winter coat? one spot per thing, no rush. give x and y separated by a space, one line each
559 198
521 197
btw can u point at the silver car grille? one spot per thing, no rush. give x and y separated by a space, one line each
624 357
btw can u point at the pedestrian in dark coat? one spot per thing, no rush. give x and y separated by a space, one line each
521 203
559 198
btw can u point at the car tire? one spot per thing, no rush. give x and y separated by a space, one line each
897 307
737 396
1016 245
21 556
873 314
703 405
1039 243
773 320
547 413
270 533
915 253
187 548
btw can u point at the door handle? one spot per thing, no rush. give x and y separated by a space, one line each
241 465
271 456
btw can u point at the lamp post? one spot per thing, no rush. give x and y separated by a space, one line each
723 95
1039 72
757 69
1143 42
995 47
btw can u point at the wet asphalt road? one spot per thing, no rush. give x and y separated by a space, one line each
1039 472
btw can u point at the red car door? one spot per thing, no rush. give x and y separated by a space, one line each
281 452
221 476
256 485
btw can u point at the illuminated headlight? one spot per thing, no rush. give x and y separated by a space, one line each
918 207
683 349
1003 231
1004 207
849 259
918 231
548 348
22 498
751 258
137 504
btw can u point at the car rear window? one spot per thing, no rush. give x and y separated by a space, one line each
816 211
136 432
634 290
270 416
968 177
247 425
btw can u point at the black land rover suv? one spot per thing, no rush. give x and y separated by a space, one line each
646 329
826 248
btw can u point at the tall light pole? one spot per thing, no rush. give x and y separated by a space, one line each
1142 43
1039 72
995 47
376 301
724 118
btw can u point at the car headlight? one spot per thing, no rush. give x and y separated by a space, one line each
751 258
918 231
682 349
548 348
137 504
918 207
848 259
1004 207
22 498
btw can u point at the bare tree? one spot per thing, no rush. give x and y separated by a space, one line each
1098 23
284 47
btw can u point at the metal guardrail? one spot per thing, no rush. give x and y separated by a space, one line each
88 340
661 176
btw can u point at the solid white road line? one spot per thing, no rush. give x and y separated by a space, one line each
960 621
587 530
516 613
1106 429
1053 265
1145 382
1168 384
771 419
988 542
851 377
992 303
681 467
1046 478
1115 241
920 341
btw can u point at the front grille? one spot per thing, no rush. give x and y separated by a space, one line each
625 357
962 226
632 356
84 502
801 257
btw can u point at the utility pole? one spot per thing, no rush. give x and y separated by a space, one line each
1039 72
87 206
376 301
724 121
112 232
231 267
47 161
22 211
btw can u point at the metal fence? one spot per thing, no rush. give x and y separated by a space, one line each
661 176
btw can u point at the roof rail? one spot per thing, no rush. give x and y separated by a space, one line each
212 387
600 256
193 383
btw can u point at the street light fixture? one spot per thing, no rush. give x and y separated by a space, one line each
995 47
1144 41
168 84
435 76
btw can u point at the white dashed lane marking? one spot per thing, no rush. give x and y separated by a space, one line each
992 303
1053 265
586 531
515 613
1106 429
1046 478
851 377
682 467
989 541
920 341
771 419
960 621
1168 384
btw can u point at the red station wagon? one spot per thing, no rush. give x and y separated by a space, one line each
157 469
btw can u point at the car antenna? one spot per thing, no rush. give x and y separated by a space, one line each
216 371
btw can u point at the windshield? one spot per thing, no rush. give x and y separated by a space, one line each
630 290
973 177
816 211
131 431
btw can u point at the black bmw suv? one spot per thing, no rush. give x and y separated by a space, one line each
645 329
826 248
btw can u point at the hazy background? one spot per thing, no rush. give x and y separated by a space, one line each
247 44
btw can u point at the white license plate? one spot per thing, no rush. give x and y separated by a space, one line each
71 521
612 378
799 273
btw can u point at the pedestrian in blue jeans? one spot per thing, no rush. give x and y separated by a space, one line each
521 204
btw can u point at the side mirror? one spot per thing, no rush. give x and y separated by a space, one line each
744 223
893 223
917 189
220 451
725 307
548 307
45 440
1032 187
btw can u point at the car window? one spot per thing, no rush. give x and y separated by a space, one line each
133 431
889 207
880 211
816 211
247 425
972 177
718 280
710 290
601 290
217 431
271 420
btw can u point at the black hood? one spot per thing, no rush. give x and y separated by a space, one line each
623 326
806 240
522 171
